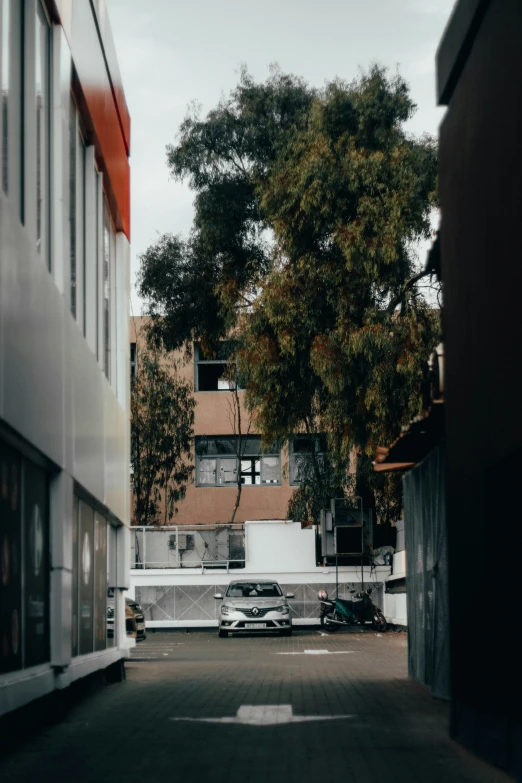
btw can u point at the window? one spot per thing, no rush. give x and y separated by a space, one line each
72 204
12 59
212 372
93 537
77 214
43 115
111 581
98 220
218 463
25 566
253 589
108 233
301 449
5 23
100 582
133 362
80 230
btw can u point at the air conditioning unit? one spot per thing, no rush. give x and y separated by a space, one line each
236 547
185 542
347 512
349 540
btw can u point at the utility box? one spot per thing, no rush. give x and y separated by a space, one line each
185 542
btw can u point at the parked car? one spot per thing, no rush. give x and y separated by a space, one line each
139 618
134 618
130 622
254 606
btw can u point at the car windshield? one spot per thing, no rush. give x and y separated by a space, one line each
253 589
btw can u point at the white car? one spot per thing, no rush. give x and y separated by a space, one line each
254 606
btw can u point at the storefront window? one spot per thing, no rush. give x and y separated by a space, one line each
36 566
10 560
24 562
90 578
111 581
100 582
75 577
86 587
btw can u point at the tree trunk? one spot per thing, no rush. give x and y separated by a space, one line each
238 498
237 417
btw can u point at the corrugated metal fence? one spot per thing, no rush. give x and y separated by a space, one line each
426 555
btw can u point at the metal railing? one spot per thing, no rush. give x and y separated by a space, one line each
176 546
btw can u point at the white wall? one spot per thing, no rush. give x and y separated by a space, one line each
395 608
279 546
399 563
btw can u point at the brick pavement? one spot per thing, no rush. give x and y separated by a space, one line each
159 724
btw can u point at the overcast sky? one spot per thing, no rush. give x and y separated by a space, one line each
172 52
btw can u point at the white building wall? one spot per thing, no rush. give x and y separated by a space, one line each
55 401
279 550
395 609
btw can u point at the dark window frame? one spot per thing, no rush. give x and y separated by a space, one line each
213 450
200 361
320 451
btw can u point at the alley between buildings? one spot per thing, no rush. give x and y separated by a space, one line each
312 707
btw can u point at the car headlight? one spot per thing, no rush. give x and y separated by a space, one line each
227 609
283 609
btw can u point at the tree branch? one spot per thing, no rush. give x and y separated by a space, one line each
406 287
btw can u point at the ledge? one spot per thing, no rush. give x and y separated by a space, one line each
23 686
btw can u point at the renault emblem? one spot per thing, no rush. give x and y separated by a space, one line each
255 611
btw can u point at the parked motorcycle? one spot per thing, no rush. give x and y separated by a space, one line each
336 613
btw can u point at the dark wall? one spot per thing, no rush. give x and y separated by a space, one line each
481 254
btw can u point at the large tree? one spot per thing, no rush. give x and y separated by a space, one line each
162 419
308 207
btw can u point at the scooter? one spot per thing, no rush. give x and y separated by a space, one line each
358 612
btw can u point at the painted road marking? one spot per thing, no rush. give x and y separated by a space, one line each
266 715
317 652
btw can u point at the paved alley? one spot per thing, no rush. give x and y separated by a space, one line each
312 707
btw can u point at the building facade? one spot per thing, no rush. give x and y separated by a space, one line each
64 347
176 568
480 185
268 479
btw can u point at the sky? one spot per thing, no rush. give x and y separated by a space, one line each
174 52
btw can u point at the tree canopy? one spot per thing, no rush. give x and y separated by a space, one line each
308 207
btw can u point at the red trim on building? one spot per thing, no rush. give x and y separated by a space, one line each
102 104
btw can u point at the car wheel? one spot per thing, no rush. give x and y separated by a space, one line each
223 634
